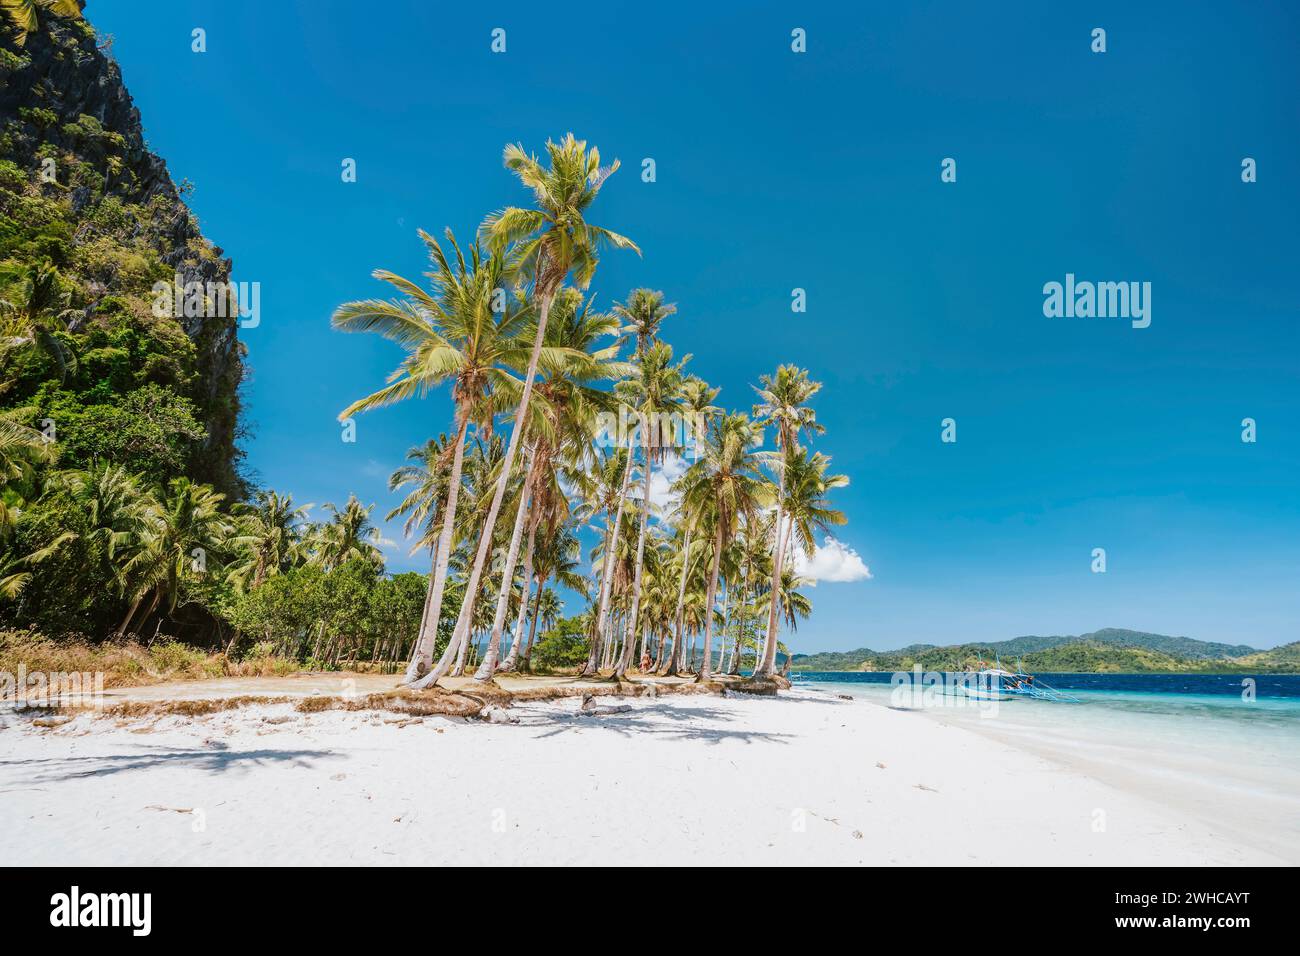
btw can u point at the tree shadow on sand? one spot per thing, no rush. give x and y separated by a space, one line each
55 769
655 720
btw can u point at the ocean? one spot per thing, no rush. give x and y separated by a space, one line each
1209 745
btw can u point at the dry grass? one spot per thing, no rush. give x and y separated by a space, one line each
130 664
187 708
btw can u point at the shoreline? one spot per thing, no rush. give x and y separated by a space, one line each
799 778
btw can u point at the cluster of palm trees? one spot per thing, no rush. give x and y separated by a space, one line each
508 325
158 546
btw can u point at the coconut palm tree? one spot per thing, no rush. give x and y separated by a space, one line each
753 559
451 334
23 14
805 504
560 423
546 244
22 448
792 605
696 403
425 479
653 392
783 404
184 528
36 307
600 488
557 560
269 537
348 536
642 314
720 489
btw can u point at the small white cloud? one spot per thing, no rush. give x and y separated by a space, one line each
662 498
832 561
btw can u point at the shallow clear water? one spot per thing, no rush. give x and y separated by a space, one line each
1196 743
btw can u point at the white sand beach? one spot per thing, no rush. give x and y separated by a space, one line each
803 778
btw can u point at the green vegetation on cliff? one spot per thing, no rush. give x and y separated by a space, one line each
89 221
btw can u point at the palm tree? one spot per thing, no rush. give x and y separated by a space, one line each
752 560
653 392
687 560
561 420
23 14
428 479
791 605
601 488
697 398
783 404
22 448
183 527
719 489
556 560
116 508
568 373
31 318
348 536
451 335
545 243
805 504
643 312
269 534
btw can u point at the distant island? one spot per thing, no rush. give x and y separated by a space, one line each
1111 650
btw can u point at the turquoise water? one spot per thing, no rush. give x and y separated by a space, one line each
1195 743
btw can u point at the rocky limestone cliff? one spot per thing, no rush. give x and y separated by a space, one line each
63 99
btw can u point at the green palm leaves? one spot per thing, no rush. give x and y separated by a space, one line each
464 330
783 403
553 238
23 17
349 536
269 538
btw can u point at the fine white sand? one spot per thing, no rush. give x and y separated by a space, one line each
805 778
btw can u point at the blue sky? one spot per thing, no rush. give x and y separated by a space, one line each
821 171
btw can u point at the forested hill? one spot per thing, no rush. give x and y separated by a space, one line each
89 220
1111 649
1164 643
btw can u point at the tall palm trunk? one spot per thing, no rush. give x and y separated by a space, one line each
527 664
428 592
607 573
491 655
728 606
485 543
148 611
768 664
705 668
628 649
135 606
509 663
738 650
675 660
422 655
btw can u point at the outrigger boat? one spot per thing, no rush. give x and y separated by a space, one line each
996 683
